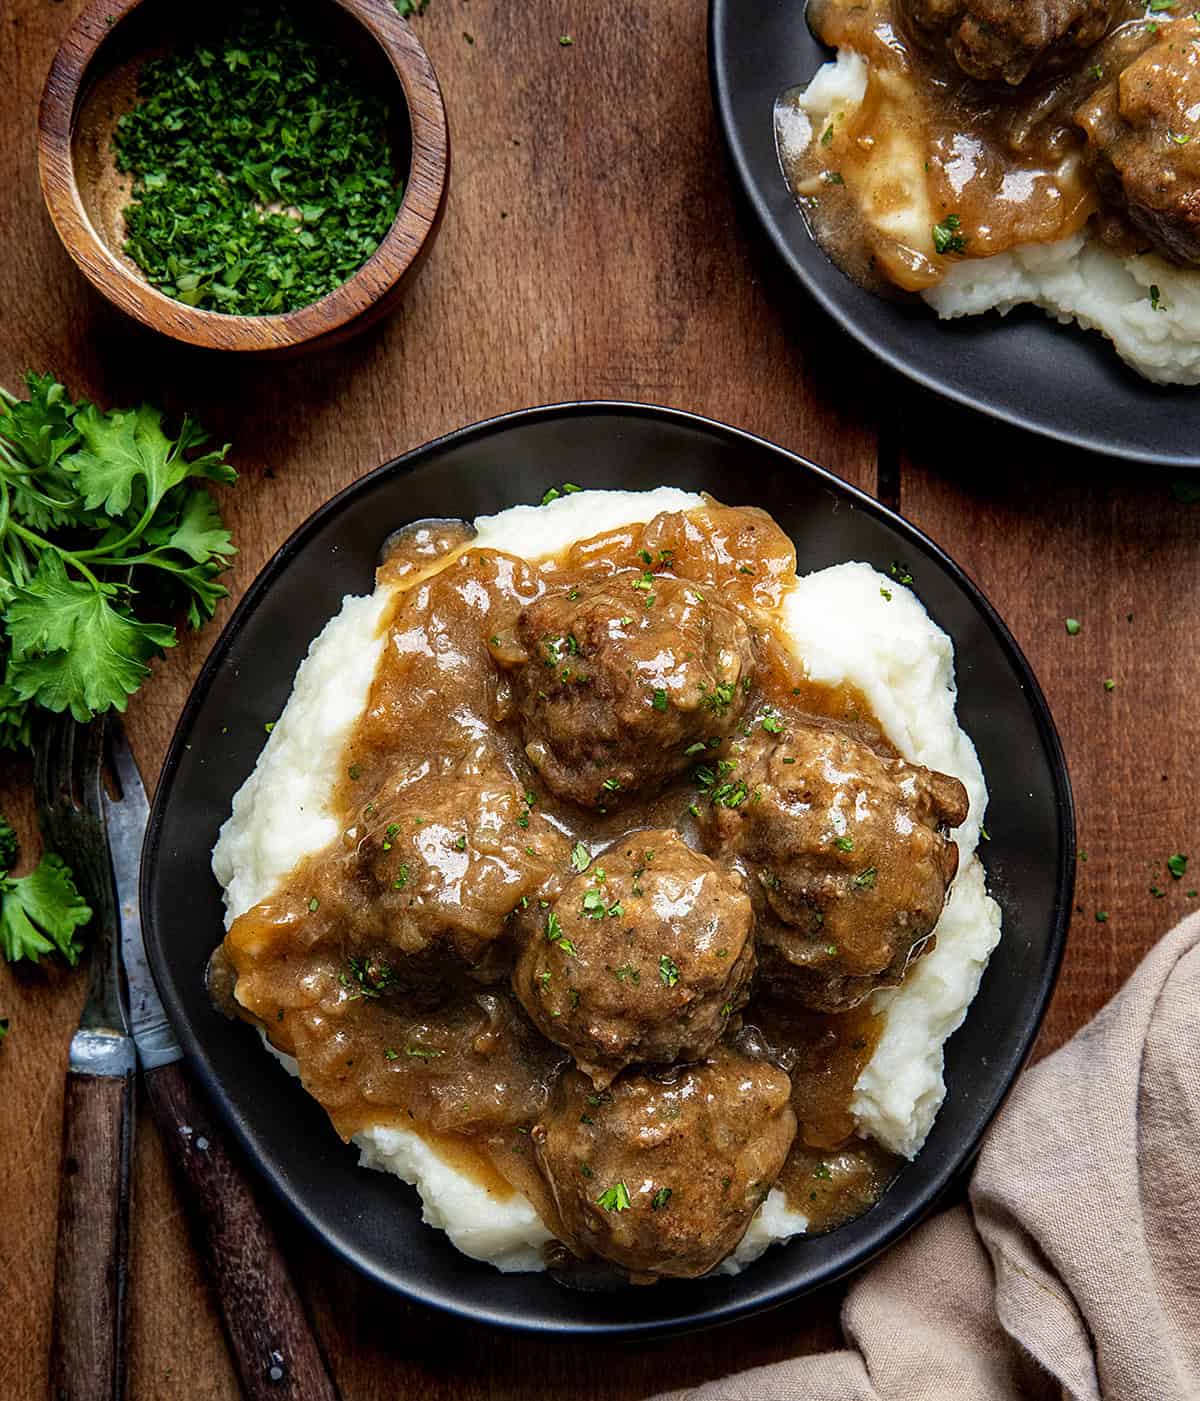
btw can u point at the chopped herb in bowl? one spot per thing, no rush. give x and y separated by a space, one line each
263 175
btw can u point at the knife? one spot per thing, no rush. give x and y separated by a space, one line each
265 1325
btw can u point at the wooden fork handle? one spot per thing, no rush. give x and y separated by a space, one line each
87 1340
273 1346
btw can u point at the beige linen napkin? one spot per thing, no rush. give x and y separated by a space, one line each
1076 1271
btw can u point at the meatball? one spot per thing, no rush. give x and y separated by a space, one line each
846 848
614 680
644 956
661 1174
1143 143
1006 40
443 864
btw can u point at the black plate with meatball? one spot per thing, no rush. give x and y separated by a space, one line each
1060 381
372 1220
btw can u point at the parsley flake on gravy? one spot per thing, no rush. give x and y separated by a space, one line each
616 1198
948 236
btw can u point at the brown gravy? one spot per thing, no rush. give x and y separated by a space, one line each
469 1071
929 148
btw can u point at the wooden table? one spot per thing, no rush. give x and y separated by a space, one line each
591 249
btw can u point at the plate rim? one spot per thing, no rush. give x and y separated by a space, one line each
719 16
262 1168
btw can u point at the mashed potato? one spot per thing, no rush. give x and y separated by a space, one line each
1147 307
847 623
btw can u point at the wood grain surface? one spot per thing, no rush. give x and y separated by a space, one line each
591 248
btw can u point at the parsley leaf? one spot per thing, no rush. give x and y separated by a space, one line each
616 1198
948 236
42 912
104 527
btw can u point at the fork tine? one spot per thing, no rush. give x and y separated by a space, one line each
68 779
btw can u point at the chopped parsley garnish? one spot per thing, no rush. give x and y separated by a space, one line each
616 1198
865 879
1110 684
773 724
355 772
1177 865
627 972
668 970
612 785
594 904
948 236
660 1199
390 1054
1101 916
262 172
885 594
579 857
900 572
822 1171
554 933
730 795
368 977
827 135
660 699
313 905
423 1052
697 748
1072 626
553 493
1156 301
401 878
720 698
844 843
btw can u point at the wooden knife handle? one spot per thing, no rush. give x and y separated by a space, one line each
274 1348
87 1338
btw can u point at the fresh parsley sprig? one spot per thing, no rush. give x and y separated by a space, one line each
104 531
41 913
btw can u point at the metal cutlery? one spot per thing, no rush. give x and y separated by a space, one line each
100 827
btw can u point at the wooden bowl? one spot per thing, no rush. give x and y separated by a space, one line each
93 80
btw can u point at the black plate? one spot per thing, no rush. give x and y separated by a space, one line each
372 1220
1024 368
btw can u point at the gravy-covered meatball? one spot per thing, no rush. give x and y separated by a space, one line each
846 847
644 956
443 863
1143 140
1006 40
614 680
661 1174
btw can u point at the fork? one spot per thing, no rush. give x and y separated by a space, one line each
87 1356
